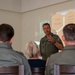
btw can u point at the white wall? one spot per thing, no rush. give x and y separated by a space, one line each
12 5
28 5
31 20
10 13
25 24
14 19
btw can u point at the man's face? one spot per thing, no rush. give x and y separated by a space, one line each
47 29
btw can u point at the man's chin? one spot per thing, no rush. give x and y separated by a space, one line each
47 33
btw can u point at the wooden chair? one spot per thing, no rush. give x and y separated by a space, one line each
37 70
11 70
64 69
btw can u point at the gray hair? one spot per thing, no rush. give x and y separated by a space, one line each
31 49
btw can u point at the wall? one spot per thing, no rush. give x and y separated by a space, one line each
11 5
28 5
14 19
31 20
27 25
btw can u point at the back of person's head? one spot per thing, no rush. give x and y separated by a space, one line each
69 32
31 49
6 32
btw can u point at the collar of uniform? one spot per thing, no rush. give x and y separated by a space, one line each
69 47
50 34
5 45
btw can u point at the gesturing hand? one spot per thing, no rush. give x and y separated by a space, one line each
51 39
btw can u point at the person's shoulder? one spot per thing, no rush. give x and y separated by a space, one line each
54 34
37 60
19 53
43 38
54 57
40 60
55 54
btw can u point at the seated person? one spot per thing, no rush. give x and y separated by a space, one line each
8 56
67 56
32 51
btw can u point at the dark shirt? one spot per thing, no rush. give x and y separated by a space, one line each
37 63
47 48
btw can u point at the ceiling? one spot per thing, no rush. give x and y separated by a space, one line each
27 5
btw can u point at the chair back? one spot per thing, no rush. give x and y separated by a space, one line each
64 69
37 70
11 70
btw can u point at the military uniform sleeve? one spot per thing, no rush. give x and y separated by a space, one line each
40 45
48 69
53 59
27 70
59 40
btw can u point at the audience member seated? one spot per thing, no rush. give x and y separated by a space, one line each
32 51
8 56
67 56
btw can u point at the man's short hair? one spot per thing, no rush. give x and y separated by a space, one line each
69 32
6 32
46 24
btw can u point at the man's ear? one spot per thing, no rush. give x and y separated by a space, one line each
63 38
10 41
